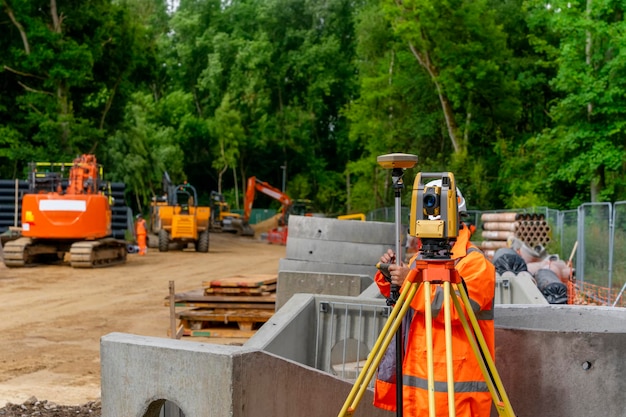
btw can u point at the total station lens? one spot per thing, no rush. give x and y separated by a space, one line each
430 201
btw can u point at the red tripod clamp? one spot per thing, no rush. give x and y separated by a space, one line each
434 270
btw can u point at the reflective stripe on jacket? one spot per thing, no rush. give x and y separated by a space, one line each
472 398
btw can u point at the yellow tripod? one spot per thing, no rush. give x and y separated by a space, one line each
438 272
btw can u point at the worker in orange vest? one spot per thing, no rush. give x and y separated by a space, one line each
141 232
472 397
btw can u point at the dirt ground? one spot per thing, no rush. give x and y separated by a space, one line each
52 317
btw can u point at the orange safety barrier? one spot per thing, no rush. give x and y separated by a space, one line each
592 294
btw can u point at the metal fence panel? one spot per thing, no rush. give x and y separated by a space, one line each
618 250
566 234
350 330
594 231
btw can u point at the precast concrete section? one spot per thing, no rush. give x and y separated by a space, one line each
317 244
563 361
554 361
139 374
293 282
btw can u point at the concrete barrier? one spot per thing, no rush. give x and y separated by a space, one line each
554 361
330 256
292 282
562 361
141 373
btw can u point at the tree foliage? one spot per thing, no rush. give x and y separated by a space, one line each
522 99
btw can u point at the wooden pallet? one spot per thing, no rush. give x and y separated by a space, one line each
246 281
242 302
260 290
246 319
222 333
197 298
255 284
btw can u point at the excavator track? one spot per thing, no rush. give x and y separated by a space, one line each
24 252
16 253
97 253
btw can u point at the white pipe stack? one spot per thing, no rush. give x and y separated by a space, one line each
498 228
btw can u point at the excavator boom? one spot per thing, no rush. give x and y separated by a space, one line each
254 185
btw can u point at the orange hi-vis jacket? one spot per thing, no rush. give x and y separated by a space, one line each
140 227
472 398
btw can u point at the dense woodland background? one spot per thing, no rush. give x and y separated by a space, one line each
524 101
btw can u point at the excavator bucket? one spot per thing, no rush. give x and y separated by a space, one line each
242 227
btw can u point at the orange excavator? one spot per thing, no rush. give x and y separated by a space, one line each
57 222
288 206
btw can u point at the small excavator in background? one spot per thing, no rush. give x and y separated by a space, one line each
58 221
288 206
176 217
221 216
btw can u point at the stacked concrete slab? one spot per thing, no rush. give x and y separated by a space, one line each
331 256
319 244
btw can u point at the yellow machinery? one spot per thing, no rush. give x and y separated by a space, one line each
221 216
178 219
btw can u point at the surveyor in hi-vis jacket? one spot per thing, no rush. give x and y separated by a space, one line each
471 395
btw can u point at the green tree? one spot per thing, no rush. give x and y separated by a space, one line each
582 154
148 144
67 71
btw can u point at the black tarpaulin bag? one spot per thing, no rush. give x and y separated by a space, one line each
506 259
551 286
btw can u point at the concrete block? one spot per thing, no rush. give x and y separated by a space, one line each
327 229
562 361
268 385
334 252
139 373
285 264
371 292
292 282
287 333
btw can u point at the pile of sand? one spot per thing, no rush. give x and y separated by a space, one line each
266 225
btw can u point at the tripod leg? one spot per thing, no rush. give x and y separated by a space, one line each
429 349
483 356
391 327
399 349
448 335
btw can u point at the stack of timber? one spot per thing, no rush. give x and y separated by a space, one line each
234 306
500 228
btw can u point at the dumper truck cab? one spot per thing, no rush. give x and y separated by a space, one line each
181 221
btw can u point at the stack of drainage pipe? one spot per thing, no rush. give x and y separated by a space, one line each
500 228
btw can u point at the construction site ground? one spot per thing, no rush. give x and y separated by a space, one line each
52 317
